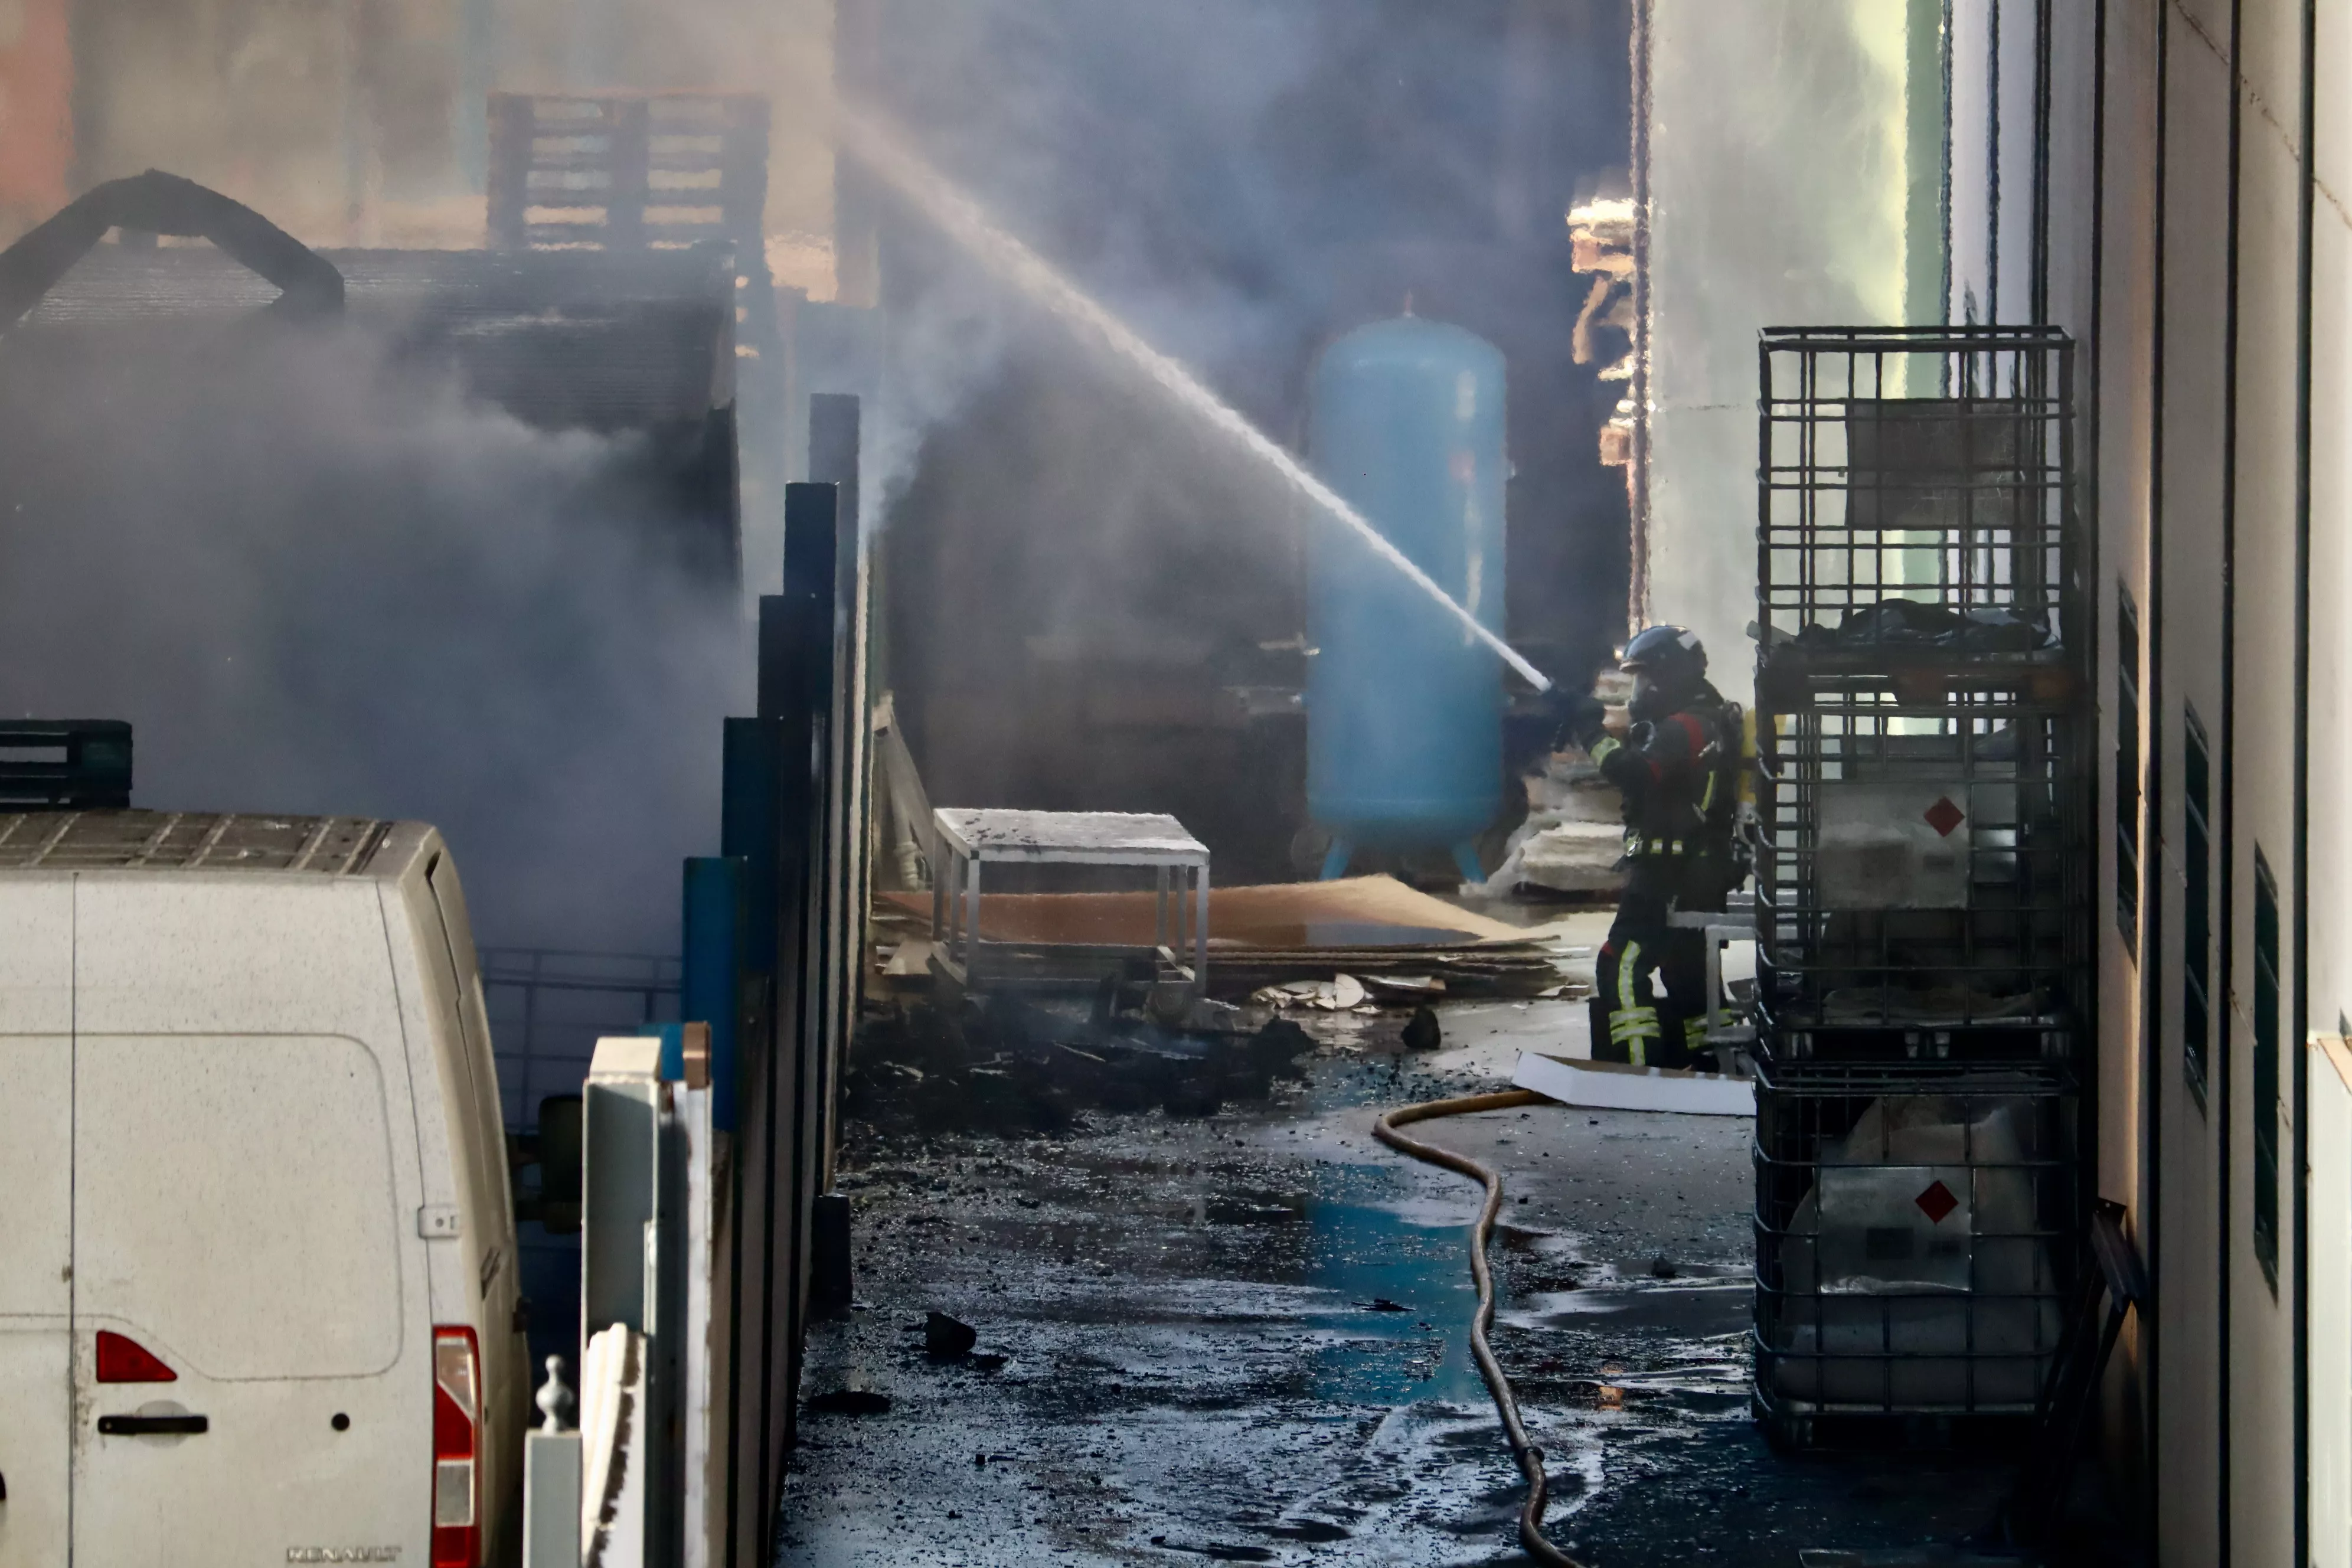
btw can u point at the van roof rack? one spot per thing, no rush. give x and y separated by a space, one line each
65 764
101 839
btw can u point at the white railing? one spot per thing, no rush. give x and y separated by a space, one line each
634 1486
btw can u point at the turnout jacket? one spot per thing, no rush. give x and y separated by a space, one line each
1680 776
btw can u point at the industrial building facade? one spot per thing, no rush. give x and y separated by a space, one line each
2165 180
2217 267
2222 269
2169 182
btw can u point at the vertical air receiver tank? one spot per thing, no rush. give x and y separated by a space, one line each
1405 708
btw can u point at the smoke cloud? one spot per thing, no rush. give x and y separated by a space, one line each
1239 181
318 581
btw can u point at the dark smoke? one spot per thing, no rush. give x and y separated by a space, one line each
318 581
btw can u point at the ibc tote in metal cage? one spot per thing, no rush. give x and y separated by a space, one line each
1924 844
1923 865
1923 871
1917 492
1917 1234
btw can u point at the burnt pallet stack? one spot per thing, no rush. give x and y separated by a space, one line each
1924 861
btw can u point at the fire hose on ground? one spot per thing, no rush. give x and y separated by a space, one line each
1530 1457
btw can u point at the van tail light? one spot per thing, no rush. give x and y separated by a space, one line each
456 1448
122 1359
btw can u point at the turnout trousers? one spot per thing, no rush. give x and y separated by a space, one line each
1630 1022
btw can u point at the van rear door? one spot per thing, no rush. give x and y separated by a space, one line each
238 1264
35 1220
251 1381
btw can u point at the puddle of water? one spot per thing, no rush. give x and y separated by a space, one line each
1398 1281
1693 1311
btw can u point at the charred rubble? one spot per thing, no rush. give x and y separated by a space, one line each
1017 1067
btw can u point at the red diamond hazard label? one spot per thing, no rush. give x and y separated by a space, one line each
1943 816
1937 1201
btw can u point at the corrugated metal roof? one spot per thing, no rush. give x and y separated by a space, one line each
175 841
601 340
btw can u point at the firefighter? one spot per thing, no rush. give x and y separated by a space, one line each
1675 755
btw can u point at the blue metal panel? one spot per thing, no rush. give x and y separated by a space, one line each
747 829
1405 708
673 1048
710 985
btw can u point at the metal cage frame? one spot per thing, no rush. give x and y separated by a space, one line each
1985 948
1832 1340
1929 465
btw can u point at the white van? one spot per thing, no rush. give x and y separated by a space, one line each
257 1278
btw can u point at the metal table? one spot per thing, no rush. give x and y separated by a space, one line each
968 840
1736 922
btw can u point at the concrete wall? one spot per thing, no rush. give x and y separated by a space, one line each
1780 193
2201 467
36 112
2263 784
2331 1305
362 123
2329 866
266 103
1994 51
2103 240
2186 610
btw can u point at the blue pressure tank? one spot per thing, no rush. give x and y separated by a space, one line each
1404 707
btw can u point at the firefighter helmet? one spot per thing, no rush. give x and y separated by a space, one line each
1669 654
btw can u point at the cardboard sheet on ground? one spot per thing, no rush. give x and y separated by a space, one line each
1357 911
1617 1086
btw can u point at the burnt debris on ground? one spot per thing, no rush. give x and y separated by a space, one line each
1244 1337
1016 1066
1085 1020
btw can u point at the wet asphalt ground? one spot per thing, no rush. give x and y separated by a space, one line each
1243 1339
